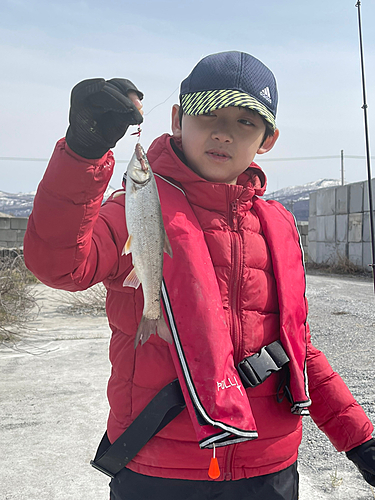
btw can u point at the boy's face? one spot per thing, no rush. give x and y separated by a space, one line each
221 145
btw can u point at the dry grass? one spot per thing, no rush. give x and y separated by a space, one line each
17 298
89 302
336 481
341 265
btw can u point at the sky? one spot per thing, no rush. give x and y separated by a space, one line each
46 47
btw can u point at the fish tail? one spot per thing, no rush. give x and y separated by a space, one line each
163 330
148 326
145 328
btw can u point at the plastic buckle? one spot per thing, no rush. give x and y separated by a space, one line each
255 369
101 469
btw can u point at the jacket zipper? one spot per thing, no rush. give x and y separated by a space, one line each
235 323
228 461
235 282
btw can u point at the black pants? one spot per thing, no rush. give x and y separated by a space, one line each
282 485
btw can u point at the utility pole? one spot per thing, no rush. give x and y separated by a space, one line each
367 142
342 167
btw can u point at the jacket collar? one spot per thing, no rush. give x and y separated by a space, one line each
167 160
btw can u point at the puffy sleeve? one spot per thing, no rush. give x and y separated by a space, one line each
72 242
334 409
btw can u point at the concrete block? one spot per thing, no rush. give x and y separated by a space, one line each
355 253
366 234
18 223
326 201
367 257
356 197
341 251
330 252
355 228
325 252
320 247
366 204
312 229
4 222
20 235
342 228
8 235
330 228
312 204
320 228
303 227
304 240
10 244
311 251
342 198
17 244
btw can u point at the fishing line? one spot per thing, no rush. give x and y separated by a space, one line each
139 130
160 103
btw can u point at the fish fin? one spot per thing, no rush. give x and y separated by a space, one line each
163 330
127 248
167 246
145 328
117 194
132 279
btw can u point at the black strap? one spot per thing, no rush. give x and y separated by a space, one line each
166 405
255 369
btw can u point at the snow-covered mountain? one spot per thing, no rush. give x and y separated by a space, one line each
296 198
21 204
17 204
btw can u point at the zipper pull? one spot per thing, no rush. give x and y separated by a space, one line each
214 471
234 214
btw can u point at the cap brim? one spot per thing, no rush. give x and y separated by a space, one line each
199 103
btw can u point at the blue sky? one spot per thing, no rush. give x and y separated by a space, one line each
312 47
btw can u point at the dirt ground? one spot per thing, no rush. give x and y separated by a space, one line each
54 407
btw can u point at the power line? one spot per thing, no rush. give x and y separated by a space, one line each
17 158
298 158
295 158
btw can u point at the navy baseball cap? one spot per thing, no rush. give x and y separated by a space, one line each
230 79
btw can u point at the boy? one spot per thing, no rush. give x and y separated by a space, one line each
235 284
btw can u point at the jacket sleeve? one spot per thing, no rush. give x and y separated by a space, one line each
333 408
70 242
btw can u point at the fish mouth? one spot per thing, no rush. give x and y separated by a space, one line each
138 182
141 157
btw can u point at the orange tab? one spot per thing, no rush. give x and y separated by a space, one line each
214 471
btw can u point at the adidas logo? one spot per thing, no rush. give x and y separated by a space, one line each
265 93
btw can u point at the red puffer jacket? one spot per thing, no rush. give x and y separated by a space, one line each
72 242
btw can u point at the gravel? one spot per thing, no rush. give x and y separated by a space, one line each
342 322
54 408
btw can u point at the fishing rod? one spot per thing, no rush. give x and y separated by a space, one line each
364 107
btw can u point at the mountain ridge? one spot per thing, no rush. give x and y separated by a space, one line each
21 204
294 198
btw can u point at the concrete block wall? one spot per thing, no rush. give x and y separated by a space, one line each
12 231
303 231
339 225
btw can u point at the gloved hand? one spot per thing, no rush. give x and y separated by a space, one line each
364 458
100 114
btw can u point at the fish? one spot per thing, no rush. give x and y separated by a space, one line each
147 241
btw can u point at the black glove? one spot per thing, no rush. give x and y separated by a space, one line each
100 114
364 458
